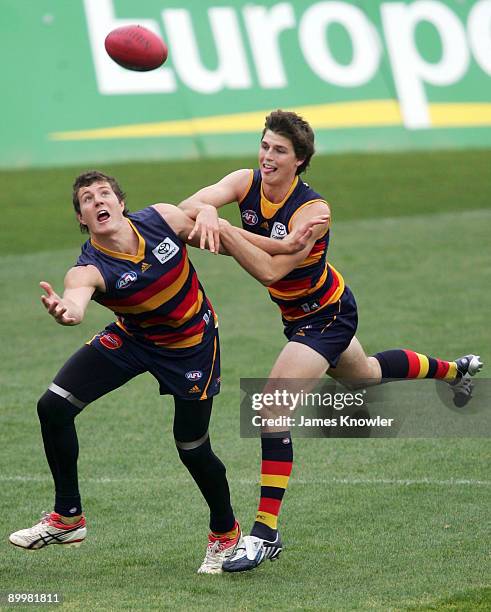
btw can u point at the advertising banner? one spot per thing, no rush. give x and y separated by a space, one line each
368 75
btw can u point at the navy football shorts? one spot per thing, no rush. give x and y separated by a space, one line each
330 332
188 373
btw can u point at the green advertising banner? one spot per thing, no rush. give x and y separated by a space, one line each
368 75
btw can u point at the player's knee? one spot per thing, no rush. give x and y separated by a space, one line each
194 453
199 455
56 410
375 369
365 373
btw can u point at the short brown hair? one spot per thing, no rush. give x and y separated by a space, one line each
94 176
297 130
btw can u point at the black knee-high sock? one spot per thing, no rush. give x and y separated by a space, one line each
56 416
85 377
191 421
209 474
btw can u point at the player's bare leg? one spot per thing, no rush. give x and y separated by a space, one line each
354 365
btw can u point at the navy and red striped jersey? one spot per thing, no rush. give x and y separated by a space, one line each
156 293
313 284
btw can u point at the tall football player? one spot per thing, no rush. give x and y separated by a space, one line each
137 266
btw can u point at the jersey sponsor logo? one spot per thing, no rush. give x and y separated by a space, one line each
194 375
278 231
194 389
145 266
126 279
250 217
111 341
165 250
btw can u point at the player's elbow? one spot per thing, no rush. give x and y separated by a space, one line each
263 276
267 281
269 277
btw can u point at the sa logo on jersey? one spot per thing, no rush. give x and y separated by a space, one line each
126 279
194 375
165 250
278 231
250 217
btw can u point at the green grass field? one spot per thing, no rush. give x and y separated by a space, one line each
395 524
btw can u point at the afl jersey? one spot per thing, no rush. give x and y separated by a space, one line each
313 284
155 294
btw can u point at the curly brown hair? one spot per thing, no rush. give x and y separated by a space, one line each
297 130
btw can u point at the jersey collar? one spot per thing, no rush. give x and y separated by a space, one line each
126 256
269 209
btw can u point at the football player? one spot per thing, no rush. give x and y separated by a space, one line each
318 309
137 266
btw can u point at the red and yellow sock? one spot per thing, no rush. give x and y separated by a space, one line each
276 467
402 363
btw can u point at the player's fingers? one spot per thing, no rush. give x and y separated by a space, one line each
305 237
217 240
319 220
45 301
58 312
194 231
52 308
211 240
61 312
202 242
47 287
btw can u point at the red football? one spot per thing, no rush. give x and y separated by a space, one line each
136 48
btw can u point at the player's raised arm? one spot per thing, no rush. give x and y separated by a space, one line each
182 225
80 283
293 243
268 269
202 206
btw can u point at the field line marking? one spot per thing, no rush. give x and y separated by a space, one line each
301 481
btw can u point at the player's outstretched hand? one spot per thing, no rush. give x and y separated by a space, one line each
299 238
54 305
206 227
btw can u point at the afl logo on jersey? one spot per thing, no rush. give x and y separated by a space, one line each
126 279
194 375
250 217
165 250
278 231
